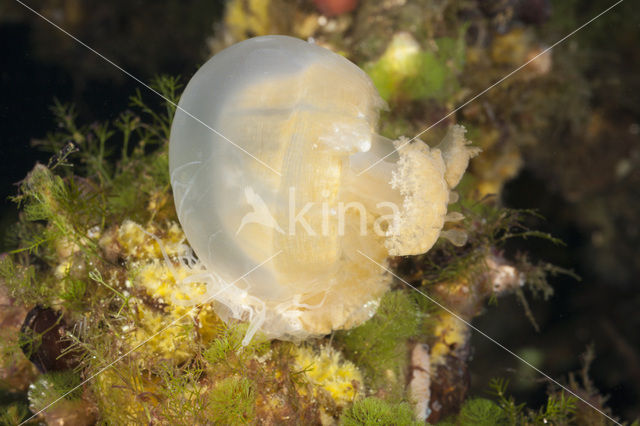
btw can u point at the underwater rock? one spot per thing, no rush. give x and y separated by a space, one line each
420 382
16 372
43 331
450 382
534 11
68 409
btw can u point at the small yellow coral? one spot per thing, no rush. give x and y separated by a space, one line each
161 280
137 242
167 336
499 162
248 17
208 324
451 333
65 250
328 370
63 268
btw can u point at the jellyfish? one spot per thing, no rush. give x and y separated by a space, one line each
290 199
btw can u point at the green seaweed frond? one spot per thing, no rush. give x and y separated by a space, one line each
63 205
375 411
488 227
94 146
232 401
13 414
51 386
481 412
503 224
96 277
536 275
584 386
111 155
559 409
536 278
379 344
182 395
73 293
124 394
22 283
420 74
227 347
160 123
220 348
492 224
512 411
86 186
97 338
65 382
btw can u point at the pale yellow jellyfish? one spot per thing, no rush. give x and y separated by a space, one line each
288 196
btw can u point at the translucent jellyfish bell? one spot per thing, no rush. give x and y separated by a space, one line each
271 186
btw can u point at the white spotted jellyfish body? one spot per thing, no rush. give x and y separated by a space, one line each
269 159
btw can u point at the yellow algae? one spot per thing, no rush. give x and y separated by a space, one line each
168 336
328 370
166 325
158 280
137 242
124 396
248 17
451 333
